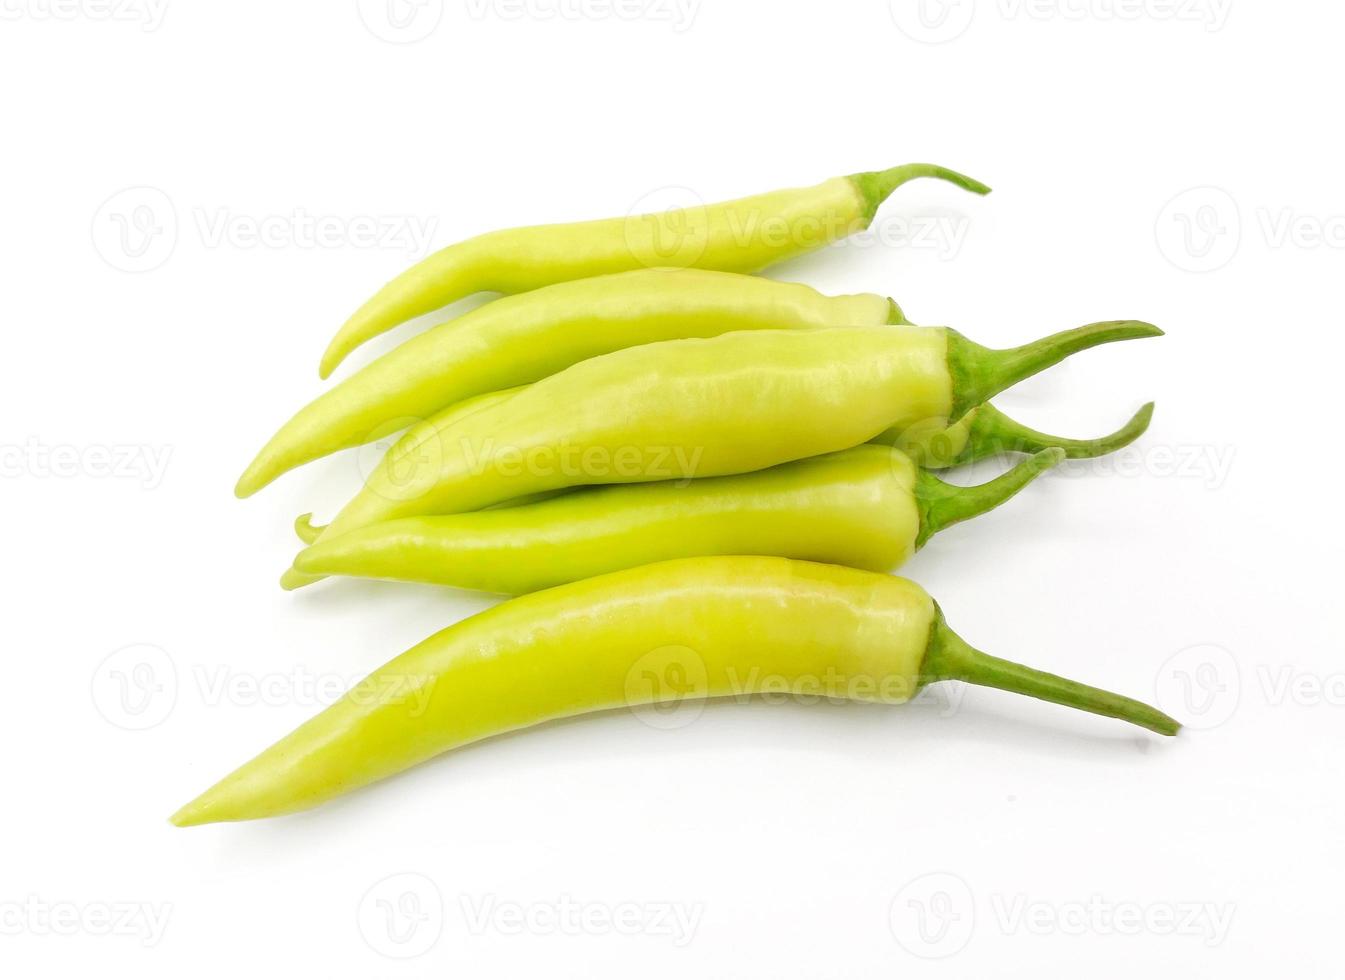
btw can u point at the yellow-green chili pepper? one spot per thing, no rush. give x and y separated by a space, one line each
696 408
866 507
984 432
524 338
691 628
744 235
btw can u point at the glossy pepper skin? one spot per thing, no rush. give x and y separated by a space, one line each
722 626
984 432
521 339
698 408
743 235
867 507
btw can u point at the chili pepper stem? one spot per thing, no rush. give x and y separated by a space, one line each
980 372
992 432
949 657
876 186
943 504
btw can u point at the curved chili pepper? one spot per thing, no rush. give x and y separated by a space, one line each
716 627
520 339
696 408
744 235
866 507
983 433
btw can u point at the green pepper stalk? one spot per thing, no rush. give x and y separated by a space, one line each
992 433
979 372
876 186
949 657
944 504
985 432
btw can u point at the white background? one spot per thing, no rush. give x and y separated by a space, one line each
1202 570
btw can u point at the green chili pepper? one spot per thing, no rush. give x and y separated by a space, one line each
985 432
696 408
866 507
524 338
745 235
686 629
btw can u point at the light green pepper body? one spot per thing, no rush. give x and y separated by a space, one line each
521 339
699 408
743 235
701 627
675 410
982 433
867 507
